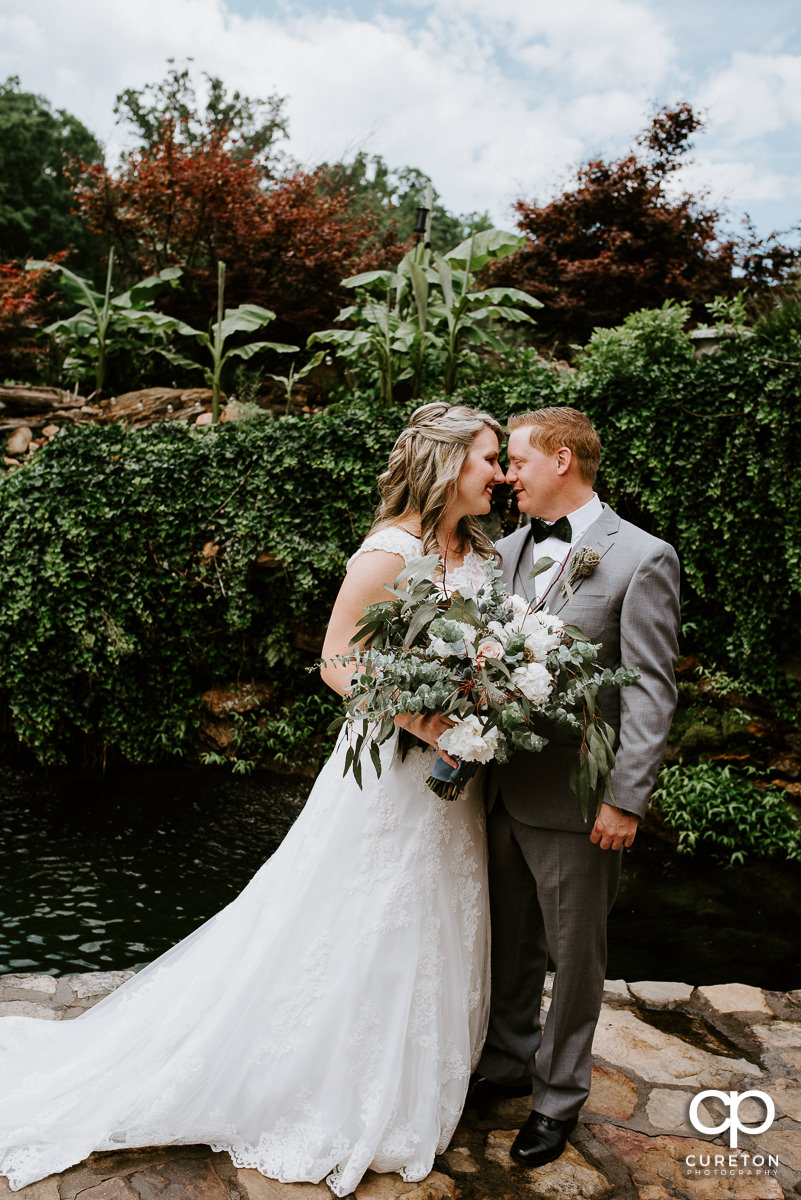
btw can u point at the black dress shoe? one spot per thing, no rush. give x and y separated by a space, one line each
541 1140
481 1091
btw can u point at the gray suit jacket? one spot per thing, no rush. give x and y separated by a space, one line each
630 604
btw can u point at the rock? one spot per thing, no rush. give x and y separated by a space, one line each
461 1161
784 1037
668 1110
570 1177
435 1186
10 462
181 1179
783 1143
786 1094
232 411
510 1112
111 1189
223 700
204 418
50 431
612 1094
36 988
795 997
735 997
95 984
660 1171
43 1189
616 990
625 1041
255 1186
661 995
24 1008
19 441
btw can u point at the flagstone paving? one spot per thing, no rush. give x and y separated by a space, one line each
657 1046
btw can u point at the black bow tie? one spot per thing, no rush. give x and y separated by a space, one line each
561 529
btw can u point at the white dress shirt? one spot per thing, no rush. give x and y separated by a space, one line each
559 550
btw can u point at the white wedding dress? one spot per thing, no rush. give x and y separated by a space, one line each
324 1022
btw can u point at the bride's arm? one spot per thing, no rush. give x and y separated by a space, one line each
364 584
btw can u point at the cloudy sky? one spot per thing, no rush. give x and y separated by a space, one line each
493 98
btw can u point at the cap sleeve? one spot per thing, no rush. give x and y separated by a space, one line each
393 540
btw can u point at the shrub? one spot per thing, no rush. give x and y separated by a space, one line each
136 569
705 453
725 812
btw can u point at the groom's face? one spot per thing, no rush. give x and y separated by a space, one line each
533 476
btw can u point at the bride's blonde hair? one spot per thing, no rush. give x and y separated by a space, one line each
423 472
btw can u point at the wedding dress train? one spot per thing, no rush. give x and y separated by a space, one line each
325 1022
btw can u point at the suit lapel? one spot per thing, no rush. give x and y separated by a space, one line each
599 538
512 556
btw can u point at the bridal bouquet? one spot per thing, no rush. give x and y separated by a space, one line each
489 663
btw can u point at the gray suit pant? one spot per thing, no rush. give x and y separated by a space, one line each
550 894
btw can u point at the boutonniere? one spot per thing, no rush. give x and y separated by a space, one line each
582 564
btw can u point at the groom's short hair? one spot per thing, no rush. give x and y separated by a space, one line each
555 427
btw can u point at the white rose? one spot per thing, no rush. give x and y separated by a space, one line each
464 740
533 681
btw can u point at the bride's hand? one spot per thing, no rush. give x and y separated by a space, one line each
428 728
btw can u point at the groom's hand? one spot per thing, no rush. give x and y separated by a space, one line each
614 828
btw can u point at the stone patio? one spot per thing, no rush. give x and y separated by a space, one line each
657 1046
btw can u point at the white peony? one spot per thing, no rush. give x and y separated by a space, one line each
465 740
542 634
533 681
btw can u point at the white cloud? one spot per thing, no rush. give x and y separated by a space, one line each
493 101
755 95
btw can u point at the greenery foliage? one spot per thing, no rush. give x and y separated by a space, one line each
706 453
723 811
425 318
137 569
622 237
105 325
37 145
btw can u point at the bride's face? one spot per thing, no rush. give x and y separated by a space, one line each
479 475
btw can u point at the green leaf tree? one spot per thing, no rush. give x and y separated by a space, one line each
37 145
247 128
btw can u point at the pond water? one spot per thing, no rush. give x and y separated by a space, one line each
105 874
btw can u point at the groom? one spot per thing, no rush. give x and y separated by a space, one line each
553 876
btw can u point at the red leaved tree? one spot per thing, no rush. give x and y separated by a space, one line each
26 301
620 239
287 244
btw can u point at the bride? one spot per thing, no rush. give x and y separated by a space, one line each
327 1020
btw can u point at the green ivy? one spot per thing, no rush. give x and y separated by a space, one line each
138 568
705 453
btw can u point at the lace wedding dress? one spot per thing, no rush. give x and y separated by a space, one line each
324 1022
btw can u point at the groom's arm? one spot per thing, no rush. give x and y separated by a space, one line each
649 622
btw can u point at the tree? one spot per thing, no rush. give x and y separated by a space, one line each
168 111
619 239
393 195
25 299
36 192
197 191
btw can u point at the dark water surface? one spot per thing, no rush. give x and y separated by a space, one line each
105 874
